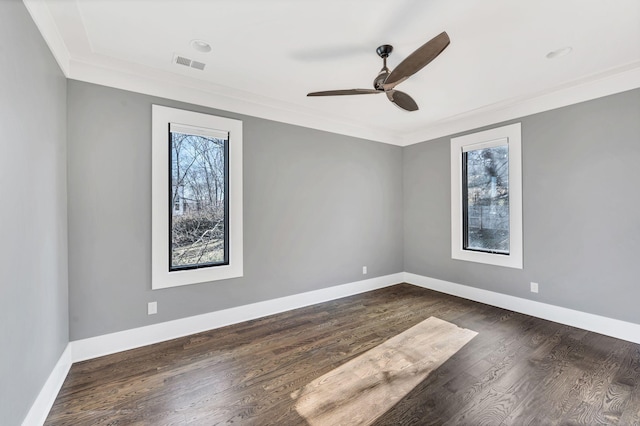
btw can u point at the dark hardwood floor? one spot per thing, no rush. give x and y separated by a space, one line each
518 370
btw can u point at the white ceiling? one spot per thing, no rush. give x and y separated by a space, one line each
267 54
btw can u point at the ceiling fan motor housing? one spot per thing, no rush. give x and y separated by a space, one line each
380 79
383 51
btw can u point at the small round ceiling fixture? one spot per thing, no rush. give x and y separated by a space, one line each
201 46
564 51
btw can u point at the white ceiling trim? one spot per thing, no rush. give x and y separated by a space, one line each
593 87
163 84
154 83
43 19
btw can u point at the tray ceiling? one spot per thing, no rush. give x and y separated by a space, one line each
266 55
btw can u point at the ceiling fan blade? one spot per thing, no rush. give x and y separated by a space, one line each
417 60
402 100
345 92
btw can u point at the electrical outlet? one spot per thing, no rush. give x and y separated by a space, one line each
534 287
152 308
364 270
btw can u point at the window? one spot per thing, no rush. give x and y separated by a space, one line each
198 223
486 197
196 198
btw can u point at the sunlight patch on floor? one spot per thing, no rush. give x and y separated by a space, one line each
361 390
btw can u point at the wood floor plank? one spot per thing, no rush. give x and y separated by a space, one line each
518 370
360 390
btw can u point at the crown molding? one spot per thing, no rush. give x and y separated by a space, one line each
162 84
165 85
43 19
121 75
591 87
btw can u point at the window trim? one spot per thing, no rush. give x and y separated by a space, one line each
161 276
512 133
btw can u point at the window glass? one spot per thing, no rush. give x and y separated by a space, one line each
198 187
486 199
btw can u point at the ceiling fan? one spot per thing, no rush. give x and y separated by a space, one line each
387 80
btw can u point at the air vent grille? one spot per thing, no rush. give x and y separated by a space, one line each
181 60
198 65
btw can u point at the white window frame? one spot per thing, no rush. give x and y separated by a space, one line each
161 277
511 135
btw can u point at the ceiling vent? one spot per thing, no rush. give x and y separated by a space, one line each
197 65
181 60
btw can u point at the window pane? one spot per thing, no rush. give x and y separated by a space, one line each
198 204
486 193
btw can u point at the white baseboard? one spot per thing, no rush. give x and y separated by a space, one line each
80 350
47 396
599 324
133 338
94 347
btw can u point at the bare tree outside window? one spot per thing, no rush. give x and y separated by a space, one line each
486 199
197 205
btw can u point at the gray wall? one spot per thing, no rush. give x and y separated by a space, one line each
33 221
581 210
317 207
